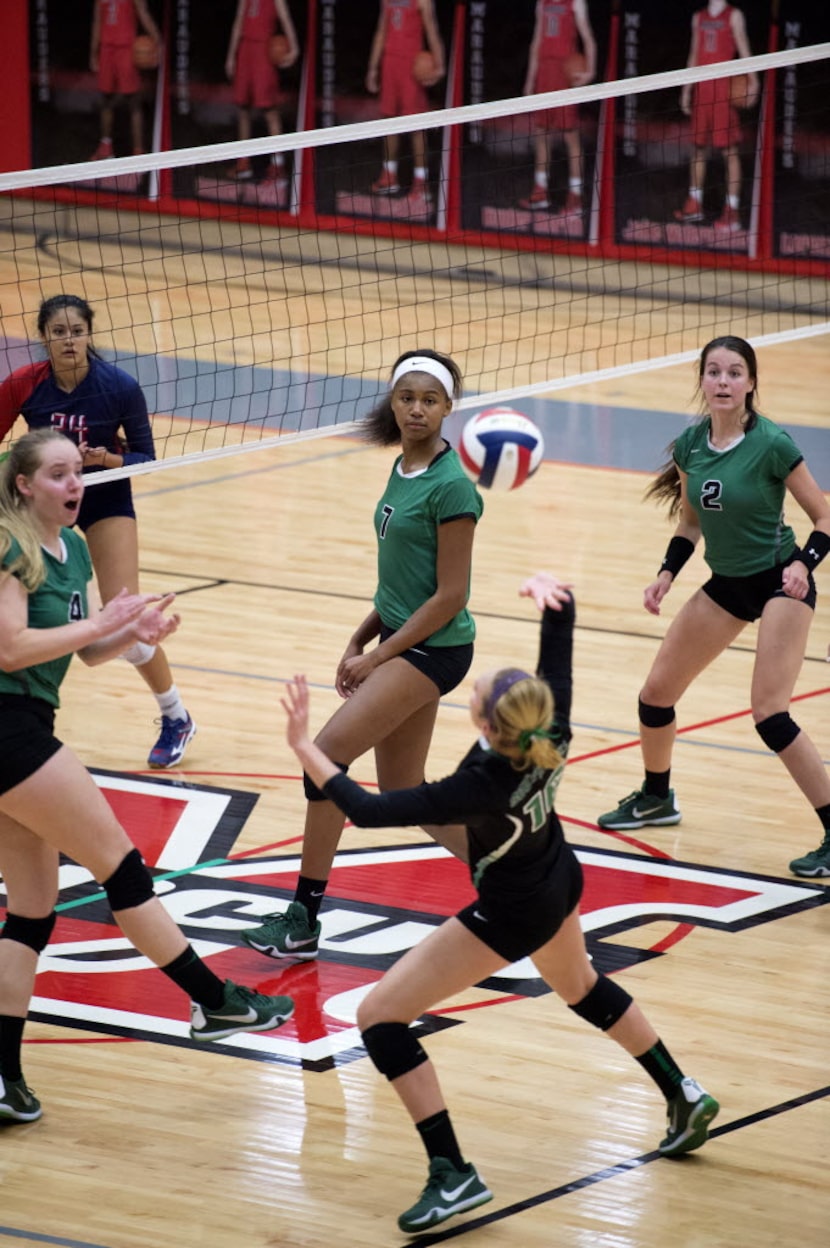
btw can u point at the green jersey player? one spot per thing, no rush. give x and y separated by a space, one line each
727 482
425 524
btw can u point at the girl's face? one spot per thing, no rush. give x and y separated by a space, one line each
478 701
726 382
56 487
420 404
67 340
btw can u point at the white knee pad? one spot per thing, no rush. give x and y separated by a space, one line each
139 654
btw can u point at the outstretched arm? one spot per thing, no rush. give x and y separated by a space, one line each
555 663
101 636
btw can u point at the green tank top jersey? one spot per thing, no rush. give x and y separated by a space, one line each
738 495
61 599
407 519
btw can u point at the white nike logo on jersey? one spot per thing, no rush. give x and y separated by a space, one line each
456 1192
482 918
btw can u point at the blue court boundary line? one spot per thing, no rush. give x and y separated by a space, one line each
12 1232
613 1172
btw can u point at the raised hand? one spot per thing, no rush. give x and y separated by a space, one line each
546 590
296 704
153 625
123 609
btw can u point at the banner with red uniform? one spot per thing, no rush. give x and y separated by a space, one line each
370 64
534 174
237 76
688 162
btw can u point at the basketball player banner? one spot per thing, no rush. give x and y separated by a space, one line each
738 182
379 903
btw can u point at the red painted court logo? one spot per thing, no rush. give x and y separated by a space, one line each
379 903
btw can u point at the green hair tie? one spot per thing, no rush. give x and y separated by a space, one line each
530 734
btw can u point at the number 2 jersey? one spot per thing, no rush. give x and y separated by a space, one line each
738 495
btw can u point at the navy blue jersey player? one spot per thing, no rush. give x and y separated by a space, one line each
103 410
528 883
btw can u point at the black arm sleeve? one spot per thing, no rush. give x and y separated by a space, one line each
555 664
464 794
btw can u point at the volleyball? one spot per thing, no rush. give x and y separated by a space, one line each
423 68
145 52
278 49
500 448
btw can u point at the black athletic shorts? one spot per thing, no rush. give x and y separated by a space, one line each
746 596
27 738
113 498
514 930
446 666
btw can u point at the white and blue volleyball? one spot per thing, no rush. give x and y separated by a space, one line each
500 448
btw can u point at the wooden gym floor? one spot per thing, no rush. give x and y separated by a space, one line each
293 1139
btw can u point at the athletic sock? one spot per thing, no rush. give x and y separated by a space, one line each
439 1138
656 784
11 1039
310 893
663 1069
195 977
170 704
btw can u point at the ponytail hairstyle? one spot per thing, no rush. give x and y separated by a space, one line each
24 459
379 426
59 303
519 710
666 486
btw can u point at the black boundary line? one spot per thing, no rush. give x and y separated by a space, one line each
221 582
612 1172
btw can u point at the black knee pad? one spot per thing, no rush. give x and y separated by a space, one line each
34 933
778 731
393 1048
312 793
130 884
604 1005
654 716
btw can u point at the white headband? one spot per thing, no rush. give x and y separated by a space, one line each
425 364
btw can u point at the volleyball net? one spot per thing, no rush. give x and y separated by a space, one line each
261 291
